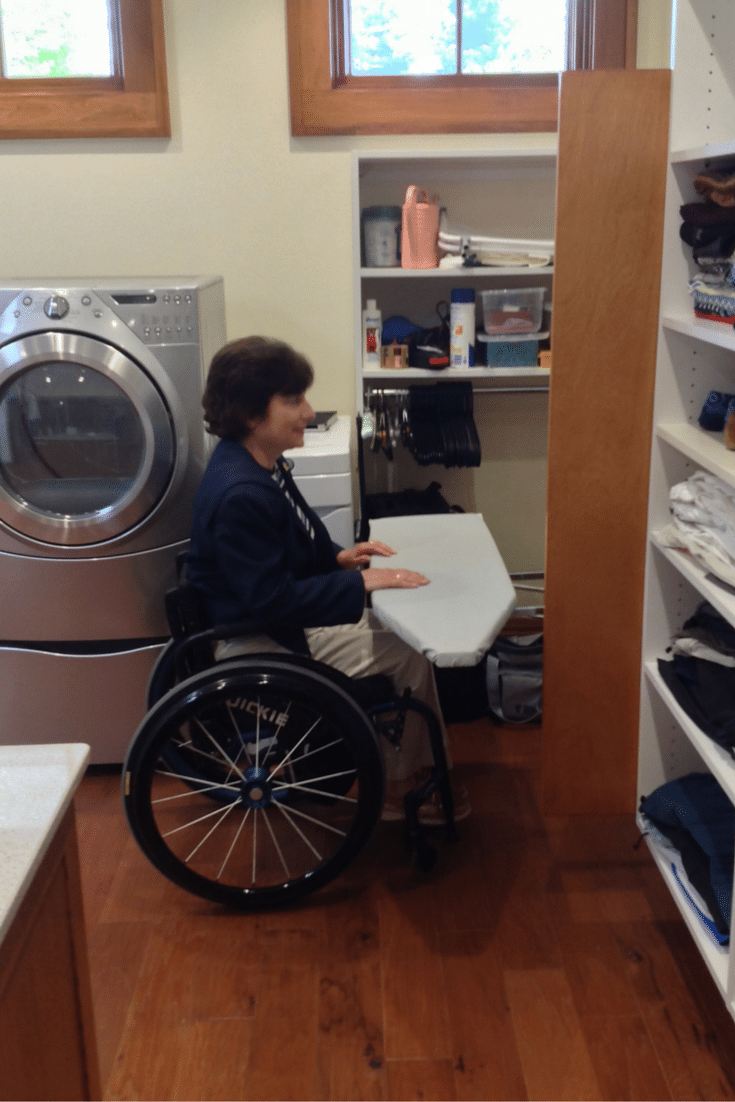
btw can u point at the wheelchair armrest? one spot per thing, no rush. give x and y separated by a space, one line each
184 611
194 643
186 616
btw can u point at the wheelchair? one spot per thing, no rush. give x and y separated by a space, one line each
255 781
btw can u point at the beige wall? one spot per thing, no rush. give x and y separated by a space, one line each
230 192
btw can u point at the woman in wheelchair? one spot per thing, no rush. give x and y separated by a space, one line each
259 551
283 719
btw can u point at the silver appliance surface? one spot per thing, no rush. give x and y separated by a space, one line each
111 597
102 442
102 447
56 696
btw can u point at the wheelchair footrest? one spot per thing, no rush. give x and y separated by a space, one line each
438 781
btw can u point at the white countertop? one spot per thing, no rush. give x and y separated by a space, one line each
326 452
455 619
37 784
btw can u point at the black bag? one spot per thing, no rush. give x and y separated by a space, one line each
506 684
406 503
462 692
514 676
429 348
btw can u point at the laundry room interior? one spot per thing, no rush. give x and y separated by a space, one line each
543 956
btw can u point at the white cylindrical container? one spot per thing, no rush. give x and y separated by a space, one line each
381 228
372 324
462 328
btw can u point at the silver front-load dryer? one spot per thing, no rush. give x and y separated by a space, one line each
102 446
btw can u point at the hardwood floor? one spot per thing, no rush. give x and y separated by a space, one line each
543 959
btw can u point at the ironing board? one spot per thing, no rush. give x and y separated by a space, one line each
454 619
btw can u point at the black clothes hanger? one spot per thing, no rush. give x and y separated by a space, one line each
442 427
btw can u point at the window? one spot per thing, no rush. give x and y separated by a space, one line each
330 96
96 68
446 37
40 40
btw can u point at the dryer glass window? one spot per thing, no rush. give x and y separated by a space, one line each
71 442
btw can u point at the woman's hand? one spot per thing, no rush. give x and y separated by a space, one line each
380 578
361 553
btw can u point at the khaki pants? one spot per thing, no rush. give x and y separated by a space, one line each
359 650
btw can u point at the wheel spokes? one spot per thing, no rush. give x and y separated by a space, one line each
241 751
286 814
219 748
302 786
199 819
205 786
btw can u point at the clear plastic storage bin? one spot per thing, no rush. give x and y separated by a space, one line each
513 311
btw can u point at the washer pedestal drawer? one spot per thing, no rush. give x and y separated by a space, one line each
52 697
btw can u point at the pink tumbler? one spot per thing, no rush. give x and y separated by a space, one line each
419 230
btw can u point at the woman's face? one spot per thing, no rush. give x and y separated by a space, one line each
282 426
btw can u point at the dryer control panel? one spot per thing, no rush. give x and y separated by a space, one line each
160 316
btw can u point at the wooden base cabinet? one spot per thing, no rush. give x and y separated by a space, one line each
47 1041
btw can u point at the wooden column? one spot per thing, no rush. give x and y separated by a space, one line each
613 142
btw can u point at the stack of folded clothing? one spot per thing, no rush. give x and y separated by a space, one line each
703 523
701 674
692 822
709 229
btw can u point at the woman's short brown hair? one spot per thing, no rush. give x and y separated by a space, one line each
243 377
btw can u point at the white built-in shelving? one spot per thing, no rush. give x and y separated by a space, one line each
378 375
711 332
479 274
694 357
507 193
501 193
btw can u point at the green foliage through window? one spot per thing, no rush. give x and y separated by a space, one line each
419 37
56 38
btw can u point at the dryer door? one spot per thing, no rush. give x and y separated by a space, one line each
87 447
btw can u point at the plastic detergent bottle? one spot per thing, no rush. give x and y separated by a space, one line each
372 324
462 328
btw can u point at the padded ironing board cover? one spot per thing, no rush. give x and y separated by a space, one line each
455 619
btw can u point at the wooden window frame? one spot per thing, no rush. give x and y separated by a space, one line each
131 104
327 101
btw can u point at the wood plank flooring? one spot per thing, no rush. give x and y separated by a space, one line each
543 959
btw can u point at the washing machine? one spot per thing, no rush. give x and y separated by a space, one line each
102 446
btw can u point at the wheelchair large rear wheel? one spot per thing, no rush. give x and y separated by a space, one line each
254 782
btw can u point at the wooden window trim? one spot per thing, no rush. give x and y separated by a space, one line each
131 105
324 101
